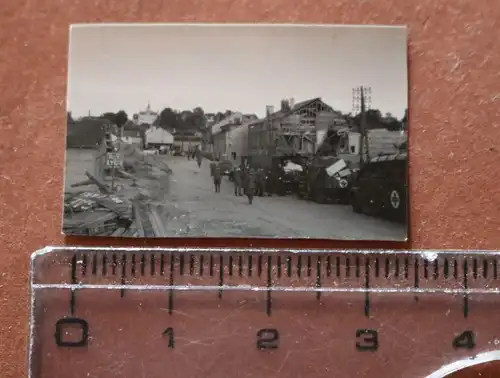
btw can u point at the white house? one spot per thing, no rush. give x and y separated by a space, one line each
146 117
156 137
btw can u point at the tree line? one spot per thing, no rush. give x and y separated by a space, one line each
196 119
376 120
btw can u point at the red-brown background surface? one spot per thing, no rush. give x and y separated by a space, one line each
454 121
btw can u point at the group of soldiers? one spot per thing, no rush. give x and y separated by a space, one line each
247 181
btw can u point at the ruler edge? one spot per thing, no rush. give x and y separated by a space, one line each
429 254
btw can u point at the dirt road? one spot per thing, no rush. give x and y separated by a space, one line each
192 208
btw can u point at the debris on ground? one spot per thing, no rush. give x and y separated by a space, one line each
113 203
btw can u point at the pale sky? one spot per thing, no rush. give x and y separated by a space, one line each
241 68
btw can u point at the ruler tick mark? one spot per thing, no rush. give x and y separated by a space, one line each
474 268
495 271
221 274
143 264
162 264
466 286
181 264
328 266
435 274
104 265
124 273
84 264
358 273
289 266
299 266
240 265
485 268
171 283
133 267
278 266
387 267
337 266
416 276
259 266
367 287
455 269
347 267
72 300
230 265
407 268
73 269
446 268
426 269
396 268
113 264
318 276
202 258
250 261
191 265
211 267
94 264
269 300
309 267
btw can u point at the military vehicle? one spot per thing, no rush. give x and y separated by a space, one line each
326 180
381 187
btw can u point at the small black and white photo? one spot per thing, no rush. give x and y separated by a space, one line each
237 130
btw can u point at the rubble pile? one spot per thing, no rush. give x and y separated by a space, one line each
97 214
115 206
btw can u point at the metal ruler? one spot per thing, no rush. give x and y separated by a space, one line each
182 313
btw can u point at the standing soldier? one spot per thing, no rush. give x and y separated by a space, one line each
237 180
213 164
268 187
250 186
217 178
261 182
199 157
243 176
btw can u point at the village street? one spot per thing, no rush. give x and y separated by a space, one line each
190 207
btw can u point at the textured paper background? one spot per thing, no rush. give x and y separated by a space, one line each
454 121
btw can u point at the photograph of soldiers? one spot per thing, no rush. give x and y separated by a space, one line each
268 137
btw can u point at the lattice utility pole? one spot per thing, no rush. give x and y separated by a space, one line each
361 101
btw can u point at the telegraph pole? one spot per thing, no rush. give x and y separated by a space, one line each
361 100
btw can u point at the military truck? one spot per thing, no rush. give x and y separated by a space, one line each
381 187
326 180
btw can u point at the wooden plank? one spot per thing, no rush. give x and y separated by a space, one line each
82 183
100 184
